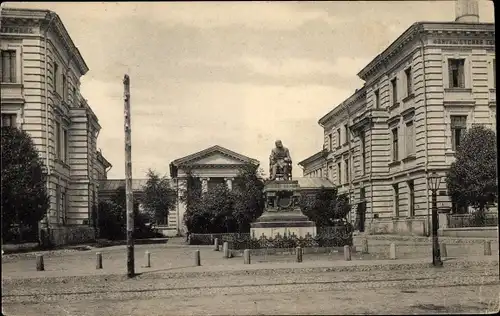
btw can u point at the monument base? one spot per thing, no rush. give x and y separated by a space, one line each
282 214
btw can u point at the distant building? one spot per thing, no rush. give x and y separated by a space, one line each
420 96
40 93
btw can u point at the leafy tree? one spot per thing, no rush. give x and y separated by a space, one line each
248 197
212 213
24 196
472 178
158 197
326 207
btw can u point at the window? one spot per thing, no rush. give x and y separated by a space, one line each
338 137
346 165
362 148
58 136
395 189
458 128
64 87
64 153
346 132
456 73
494 73
394 88
362 194
395 145
9 119
410 139
409 82
73 95
330 143
411 198
8 71
339 173
330 172
55 74
377 98
63 207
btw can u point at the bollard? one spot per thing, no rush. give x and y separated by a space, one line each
487 248
147 258
39 263
225 249
299 254
442 250
98 262
392 251
197 261
347 253
216 244
364 246
246 256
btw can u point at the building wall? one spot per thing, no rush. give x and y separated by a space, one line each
429 105
71 179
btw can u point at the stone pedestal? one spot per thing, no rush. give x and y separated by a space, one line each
282 214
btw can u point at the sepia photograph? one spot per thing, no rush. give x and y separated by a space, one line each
249 158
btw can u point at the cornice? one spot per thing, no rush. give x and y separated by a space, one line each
42 19
419 30
317 156
359 96
212 166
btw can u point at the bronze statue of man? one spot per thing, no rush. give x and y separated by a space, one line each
280 158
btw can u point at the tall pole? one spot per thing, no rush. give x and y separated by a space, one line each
436 253
128 180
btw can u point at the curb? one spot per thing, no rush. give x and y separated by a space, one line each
423 239
248 271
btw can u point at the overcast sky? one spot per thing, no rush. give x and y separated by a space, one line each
236 74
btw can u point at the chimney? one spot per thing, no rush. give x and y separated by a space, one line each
466 11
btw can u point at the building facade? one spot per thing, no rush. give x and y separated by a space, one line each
420 96
40 93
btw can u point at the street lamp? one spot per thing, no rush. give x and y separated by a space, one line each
434 180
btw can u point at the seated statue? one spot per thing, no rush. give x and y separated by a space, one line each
280 162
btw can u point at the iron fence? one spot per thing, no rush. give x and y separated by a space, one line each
337 236
472 220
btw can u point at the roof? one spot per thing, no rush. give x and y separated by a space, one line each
359 94
320 154
212 150
103 160
58 27
114 184
314 183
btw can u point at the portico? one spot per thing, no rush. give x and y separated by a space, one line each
212 166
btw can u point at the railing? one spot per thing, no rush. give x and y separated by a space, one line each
472 220
337 236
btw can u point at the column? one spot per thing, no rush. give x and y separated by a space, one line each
204 185
181 207
229 182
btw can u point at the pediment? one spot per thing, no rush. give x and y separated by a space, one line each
216 159
215 155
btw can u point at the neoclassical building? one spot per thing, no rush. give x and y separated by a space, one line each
419 97
40 71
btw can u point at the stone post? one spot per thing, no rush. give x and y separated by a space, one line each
347 253
392 251
364 248
225 250
98 263
443 218
39 263
147 258
299 254
216 244
487 248
443 250
246 256
197 261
